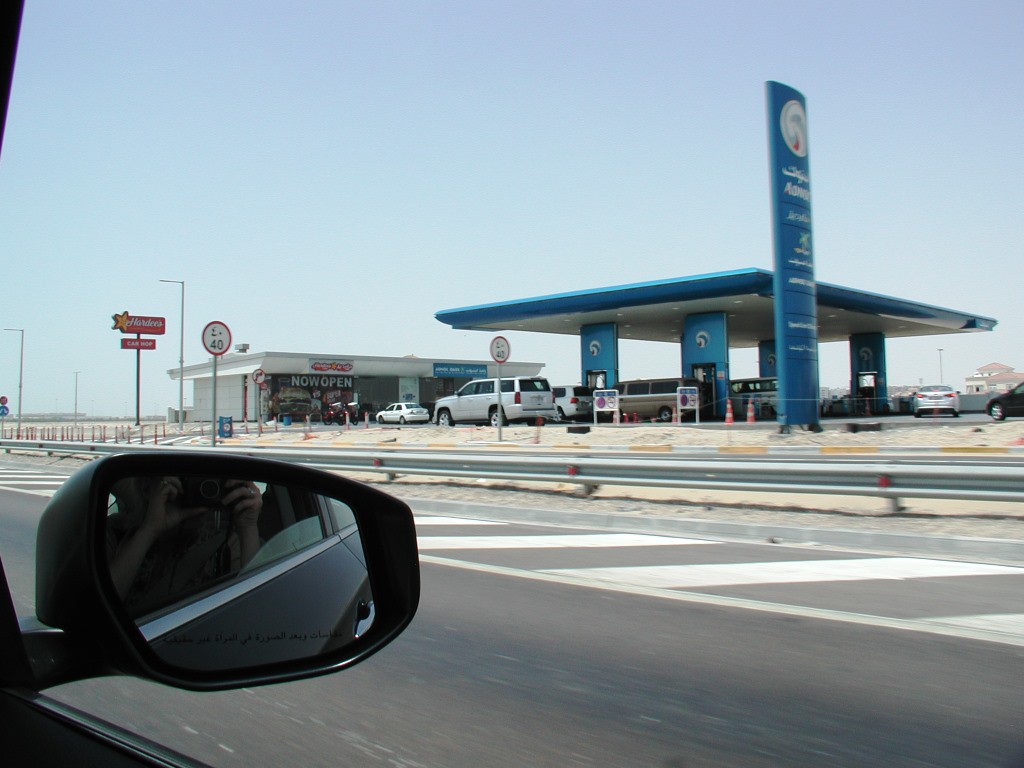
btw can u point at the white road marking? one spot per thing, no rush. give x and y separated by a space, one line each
438 520
1012 623
793 572
553 541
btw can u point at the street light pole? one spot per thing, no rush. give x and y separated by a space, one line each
181 359
76 402
941 380
21 373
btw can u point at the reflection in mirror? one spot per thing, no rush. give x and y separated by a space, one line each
222 573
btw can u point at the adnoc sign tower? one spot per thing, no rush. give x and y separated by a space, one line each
796 313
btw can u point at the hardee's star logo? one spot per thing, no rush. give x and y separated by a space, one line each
121 322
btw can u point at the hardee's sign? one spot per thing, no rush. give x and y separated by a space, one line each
152 326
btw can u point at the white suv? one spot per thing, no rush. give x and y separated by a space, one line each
523 398
574 402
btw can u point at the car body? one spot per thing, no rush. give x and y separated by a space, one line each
653 398
524 398
573 402
936 399
403 413
1008 403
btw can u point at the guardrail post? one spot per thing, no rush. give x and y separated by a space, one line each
885 482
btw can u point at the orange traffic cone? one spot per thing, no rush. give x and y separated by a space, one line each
728 413
750 412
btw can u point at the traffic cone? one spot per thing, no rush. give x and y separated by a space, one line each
728 413
750 412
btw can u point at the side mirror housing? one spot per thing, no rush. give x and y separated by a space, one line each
208 571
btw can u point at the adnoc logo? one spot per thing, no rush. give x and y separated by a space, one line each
595 348
703 339
793 124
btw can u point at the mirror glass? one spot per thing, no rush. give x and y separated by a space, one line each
222 573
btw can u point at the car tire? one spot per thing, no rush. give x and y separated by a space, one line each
917 414
493 418
664 413
444 419
956 414
401 419
561 414
997 412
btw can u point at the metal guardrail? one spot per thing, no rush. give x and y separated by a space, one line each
818 475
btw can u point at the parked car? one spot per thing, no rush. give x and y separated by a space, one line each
403 413
1009 403
523 398
654 398
936 399
573 402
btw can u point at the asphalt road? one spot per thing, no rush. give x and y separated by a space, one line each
511 663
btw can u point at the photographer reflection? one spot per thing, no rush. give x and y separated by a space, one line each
170 537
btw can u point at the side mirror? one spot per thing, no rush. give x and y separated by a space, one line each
207 571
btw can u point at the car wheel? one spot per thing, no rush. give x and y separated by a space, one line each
401 419
917 414
996 411
561 414
956 414
444 419
494 418
664 413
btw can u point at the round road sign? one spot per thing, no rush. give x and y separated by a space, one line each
501 350
259 376
216 338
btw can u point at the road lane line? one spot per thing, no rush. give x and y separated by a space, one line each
787 572
559 541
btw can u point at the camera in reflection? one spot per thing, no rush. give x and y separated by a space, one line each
203 491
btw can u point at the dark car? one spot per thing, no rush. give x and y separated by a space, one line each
1009 403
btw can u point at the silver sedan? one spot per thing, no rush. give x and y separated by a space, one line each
403 413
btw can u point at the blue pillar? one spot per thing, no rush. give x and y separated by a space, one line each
766 361
705 345
867 355
599 351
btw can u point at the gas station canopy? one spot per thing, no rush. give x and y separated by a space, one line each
656 311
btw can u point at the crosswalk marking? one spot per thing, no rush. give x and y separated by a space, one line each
792 572
563 541
36 482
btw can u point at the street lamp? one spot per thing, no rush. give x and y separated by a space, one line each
21 372
181 359
940 366
76 401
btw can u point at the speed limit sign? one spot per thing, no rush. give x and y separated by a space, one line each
500 349
216 338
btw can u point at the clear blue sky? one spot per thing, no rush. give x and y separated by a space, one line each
325 176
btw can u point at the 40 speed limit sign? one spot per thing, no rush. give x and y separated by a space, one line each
217 338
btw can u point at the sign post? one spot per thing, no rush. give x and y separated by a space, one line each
605 400
500 352
138 325
216 341
688 399
259 378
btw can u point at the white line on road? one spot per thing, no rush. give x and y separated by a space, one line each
561 541
792 572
